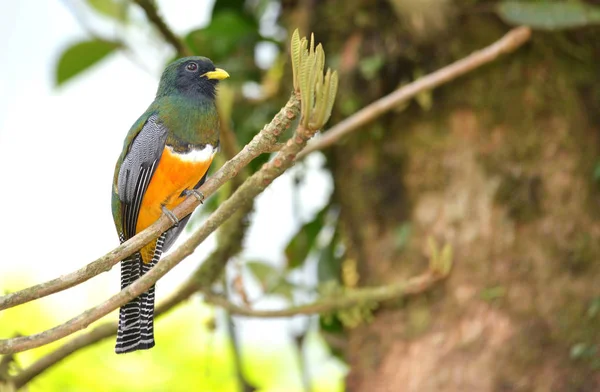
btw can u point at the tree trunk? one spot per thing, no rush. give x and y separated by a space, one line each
501 167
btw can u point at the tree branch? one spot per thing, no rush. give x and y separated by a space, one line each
415 285
228 244
242 197
152 14
507 44
261 143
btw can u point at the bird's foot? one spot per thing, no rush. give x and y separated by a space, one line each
171 216
199 195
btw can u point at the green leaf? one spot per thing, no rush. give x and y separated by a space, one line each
370 66
331 324
228 32
301 244
492 293
81 56
331 331
235 5
111 8
594 308
597 172
283 288
583 350
547 15
446 259
329 267
402 235
263 272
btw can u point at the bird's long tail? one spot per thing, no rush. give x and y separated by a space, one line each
128 332
136 318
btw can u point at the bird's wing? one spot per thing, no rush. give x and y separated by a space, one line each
136 170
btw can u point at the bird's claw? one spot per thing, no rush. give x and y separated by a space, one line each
199 195
171 216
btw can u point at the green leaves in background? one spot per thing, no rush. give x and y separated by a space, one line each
546 15
271 280
370 66
329 265
263 272
303 241
226 33
229 40
113 9
402 235
221 5
81 56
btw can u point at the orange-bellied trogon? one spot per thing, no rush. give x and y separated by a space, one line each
165 156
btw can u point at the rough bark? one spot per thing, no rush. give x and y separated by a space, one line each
501 167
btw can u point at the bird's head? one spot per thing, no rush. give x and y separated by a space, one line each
194 77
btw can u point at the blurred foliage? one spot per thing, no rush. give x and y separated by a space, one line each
115 9
329 264
195 357
549 15
303 241
272 281
440 260
81 56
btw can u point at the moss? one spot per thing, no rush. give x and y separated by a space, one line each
574 322
531 343
580 255
521 195
427 174
419 317
527 349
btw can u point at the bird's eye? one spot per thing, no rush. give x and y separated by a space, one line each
192 67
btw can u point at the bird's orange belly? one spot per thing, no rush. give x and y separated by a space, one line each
172 176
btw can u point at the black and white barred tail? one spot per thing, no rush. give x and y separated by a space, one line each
136 318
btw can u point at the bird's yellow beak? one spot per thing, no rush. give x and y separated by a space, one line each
218 74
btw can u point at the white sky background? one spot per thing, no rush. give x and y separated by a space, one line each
59 147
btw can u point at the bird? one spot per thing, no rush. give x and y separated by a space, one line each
165 158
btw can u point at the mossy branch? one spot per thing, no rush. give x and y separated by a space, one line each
348 299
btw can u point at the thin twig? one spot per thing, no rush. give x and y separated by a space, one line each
236 348
303 361
240 199
5 364
153 16
507 44
415 285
